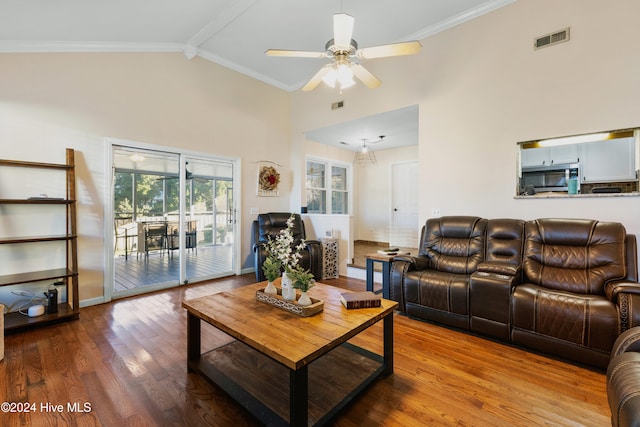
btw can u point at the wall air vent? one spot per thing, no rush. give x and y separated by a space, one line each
551 39
337 105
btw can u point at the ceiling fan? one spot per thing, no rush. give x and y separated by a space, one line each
346 56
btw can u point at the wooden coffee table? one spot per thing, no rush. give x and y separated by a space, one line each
283 368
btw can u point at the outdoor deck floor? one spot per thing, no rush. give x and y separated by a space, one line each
137 270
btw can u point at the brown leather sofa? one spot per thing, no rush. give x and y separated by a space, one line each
623 379
565 287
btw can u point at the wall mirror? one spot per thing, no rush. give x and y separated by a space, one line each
595 163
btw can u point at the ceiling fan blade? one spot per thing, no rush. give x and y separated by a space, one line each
342 30
316 79
367 78
396 49
295 53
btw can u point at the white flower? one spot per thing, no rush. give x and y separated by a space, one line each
282 247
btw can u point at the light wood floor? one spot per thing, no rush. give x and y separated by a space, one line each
127 361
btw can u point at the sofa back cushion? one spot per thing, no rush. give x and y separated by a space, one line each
454 244
270 224
572 255
505 241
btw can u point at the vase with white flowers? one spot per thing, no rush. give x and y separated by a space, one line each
283 250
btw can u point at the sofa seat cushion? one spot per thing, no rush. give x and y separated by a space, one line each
438 290
585 320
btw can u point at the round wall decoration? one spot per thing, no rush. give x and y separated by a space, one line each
268 180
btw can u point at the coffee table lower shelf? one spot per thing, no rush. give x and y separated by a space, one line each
262 386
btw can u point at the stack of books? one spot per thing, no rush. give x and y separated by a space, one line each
392 251
365 299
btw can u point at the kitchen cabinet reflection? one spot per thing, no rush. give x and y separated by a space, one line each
596 163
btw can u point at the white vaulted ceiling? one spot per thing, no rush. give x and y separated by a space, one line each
233 33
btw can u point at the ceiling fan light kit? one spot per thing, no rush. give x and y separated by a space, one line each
345 54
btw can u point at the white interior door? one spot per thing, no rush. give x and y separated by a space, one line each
403 229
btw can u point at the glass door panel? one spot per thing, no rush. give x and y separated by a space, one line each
145 205
209 219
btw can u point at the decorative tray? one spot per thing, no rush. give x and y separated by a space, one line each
316 306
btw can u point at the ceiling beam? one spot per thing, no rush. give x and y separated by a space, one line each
226 17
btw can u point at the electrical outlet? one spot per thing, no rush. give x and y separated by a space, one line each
435 212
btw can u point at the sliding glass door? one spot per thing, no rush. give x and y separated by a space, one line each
172 219
209 215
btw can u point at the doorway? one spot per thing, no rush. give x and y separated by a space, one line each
173 219
403 227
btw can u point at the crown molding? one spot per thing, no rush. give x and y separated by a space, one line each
16 46
243 70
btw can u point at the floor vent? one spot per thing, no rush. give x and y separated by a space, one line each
551 39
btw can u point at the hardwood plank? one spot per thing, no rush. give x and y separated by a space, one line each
128 359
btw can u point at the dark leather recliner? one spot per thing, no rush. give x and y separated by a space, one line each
565 304
268 226
435 284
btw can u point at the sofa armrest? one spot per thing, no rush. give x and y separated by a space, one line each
626 296
414 262
314 247
629 340
612 289
401 265
500 268
260 254
313 244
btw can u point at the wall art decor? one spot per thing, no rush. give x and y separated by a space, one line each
268 179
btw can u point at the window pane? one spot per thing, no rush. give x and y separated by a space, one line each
315 175
316 201
338 178
149 195
173 195
339 202
123 194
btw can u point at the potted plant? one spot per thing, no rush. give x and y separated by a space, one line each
302 279
271 268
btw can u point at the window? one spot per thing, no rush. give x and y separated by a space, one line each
327 192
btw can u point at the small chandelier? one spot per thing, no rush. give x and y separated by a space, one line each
366 155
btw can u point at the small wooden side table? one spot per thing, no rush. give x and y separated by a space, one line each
386 261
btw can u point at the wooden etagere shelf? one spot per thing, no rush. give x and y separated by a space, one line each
68 273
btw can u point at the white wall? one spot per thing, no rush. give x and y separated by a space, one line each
373 194
52 101
481 88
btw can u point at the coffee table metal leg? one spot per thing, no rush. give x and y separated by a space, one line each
388 345
298 396
369 274
193 340
386 278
